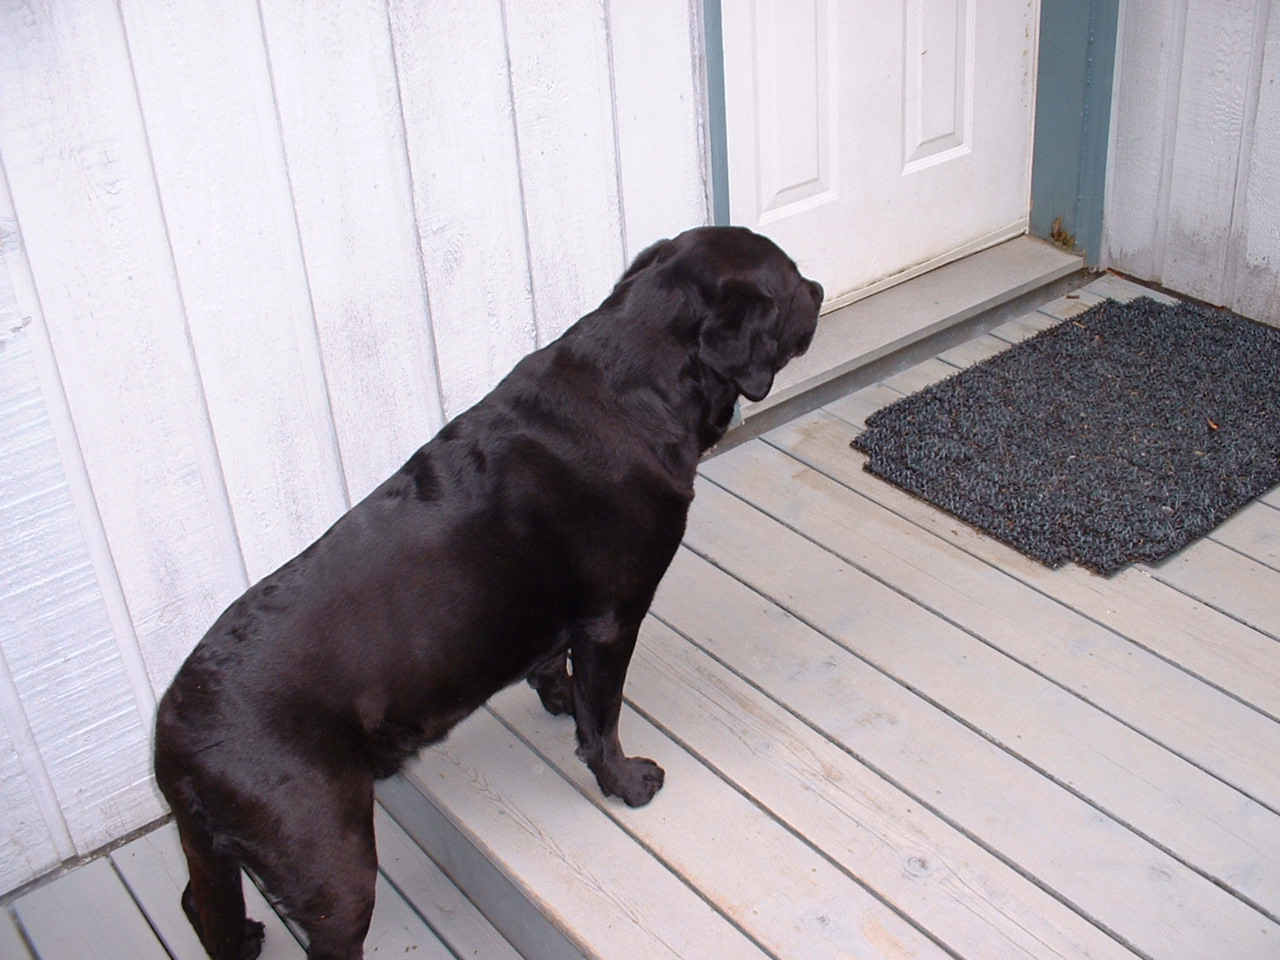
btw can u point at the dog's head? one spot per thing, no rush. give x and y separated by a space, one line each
756 312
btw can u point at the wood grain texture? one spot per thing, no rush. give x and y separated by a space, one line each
563 103
221 177
658 114
593 881
1256 249
155 873
716 838
1215 81
265 250
65 687
334 77
1211 644
1143 122
1090 860
397 930
37 837
105 291
716 690
88 914
1204 642
1120 754
1227 580
1254 532
33 845
1190 187
451 916
885 735
455 95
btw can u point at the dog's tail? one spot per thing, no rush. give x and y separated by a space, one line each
213 899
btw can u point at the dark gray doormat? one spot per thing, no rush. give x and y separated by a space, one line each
1115 437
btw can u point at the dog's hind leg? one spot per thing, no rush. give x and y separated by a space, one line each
551 679
321 861
214 899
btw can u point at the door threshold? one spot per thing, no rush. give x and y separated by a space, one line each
867 338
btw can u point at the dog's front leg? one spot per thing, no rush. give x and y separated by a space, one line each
601 652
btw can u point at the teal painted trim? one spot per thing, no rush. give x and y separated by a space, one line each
1073 120
717 125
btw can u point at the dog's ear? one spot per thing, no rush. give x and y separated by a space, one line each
739 340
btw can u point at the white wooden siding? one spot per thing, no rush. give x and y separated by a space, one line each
1193 193
254 253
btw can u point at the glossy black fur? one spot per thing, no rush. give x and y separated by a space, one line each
533 529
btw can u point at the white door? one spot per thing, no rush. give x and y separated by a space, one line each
876 139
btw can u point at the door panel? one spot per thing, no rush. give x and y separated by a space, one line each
876 139
937 58
794 99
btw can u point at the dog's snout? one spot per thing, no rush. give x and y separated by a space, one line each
816 291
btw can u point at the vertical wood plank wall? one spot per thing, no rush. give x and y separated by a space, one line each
252 254
1193 189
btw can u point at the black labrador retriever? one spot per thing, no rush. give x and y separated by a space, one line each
527 537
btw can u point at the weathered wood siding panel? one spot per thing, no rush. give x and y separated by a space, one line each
251 255
335 83
661 171
205 94
1192 196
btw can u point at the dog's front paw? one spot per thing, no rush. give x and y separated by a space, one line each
634 780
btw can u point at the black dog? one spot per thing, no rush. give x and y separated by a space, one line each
532 530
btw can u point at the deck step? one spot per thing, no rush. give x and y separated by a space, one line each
701 873
557 874
925 313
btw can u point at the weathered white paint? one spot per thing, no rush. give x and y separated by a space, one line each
878 140
1193 195
229 220
253 255
64 682
655 46
334 76
568 171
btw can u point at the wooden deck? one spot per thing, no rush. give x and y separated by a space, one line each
885 736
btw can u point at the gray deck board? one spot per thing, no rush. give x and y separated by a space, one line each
1113 755
717 839
1225 580
1254 532
11 945
153 868
1093 861
87 913
126 904
441 905
885 735
1096 663
600 885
